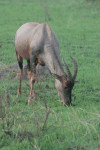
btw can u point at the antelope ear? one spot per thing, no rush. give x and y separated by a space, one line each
57 77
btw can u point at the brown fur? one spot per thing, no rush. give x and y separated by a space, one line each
37 43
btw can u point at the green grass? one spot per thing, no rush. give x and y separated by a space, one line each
77 27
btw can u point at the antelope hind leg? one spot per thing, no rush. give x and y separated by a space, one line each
19 89
20 62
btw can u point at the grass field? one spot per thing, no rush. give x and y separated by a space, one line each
48 125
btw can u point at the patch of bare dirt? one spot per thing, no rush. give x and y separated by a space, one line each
42 72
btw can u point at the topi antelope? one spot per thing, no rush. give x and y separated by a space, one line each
37 43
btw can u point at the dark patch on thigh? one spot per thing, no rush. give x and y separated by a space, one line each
20 65
28 65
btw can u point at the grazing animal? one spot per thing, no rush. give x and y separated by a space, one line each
37 43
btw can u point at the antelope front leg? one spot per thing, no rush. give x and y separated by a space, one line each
32 91
31 76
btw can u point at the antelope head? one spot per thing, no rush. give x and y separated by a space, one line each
67 81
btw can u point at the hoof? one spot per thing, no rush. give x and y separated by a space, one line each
18 95
31 98
30 101
34 96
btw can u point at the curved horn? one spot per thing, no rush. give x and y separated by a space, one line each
75 69
69 76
